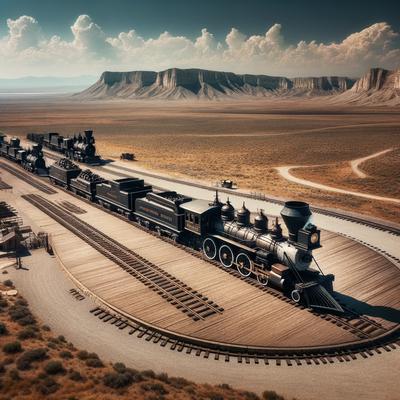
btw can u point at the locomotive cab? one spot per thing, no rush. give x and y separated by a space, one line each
200 216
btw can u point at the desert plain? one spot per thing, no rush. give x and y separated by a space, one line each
240 140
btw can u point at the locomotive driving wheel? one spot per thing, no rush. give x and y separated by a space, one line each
262 279
209 248
226 256
243 264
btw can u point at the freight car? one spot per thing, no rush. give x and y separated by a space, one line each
222 233
78 148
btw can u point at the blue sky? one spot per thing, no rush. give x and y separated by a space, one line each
293 38
303 20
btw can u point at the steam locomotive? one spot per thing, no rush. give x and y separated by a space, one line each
219 231
79 147
31 158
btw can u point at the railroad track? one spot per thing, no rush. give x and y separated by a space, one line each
174 291
20 173
4 185
290 356
361 326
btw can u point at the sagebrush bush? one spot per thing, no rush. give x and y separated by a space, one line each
54 368
66 354
272 395
76 376
27 333
94 363
155 387
48 386
8 283
117 380
12 347
3 329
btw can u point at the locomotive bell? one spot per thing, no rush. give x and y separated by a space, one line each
243 216
295 215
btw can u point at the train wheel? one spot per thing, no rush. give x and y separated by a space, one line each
295 295
209 248
226 256
262 279
158 230
243 264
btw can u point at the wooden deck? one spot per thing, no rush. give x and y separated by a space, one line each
250 316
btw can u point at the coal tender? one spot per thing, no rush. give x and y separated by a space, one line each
62 171
85 184
119 195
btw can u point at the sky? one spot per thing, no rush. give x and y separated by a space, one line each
284 38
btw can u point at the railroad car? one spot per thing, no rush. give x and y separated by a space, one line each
120 194
85 184
62 171
78 148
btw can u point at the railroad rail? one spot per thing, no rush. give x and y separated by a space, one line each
176 292
72 207
20 173
4 185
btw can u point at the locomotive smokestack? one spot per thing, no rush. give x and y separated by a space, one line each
295 215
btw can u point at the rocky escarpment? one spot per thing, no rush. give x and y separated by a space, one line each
378 86
177 83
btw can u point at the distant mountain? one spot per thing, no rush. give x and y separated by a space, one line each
378 86
45 82
178 84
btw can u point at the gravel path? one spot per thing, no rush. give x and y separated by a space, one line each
356 163
285 173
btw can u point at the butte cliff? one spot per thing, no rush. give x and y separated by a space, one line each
378 86
200 84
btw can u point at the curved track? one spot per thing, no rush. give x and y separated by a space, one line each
370 336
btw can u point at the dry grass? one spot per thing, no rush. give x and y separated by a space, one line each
241 141
77 378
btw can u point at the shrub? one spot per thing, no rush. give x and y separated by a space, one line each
76 376
14 375
179 382
21 314
250 395
27 333
54 368
155 387
149 373
66 354
3 329
3 302
24 362
119 367
117 380
163 377
8 283
272 395
38 354
48 386
21 302
83 355
94 363
61 338
2 368
12 347
46 328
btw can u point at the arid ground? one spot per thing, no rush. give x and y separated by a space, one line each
243 141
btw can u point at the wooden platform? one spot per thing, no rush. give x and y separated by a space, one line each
250 317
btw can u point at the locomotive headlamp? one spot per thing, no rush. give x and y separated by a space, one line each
314 238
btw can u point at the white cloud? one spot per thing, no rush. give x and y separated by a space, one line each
26 51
